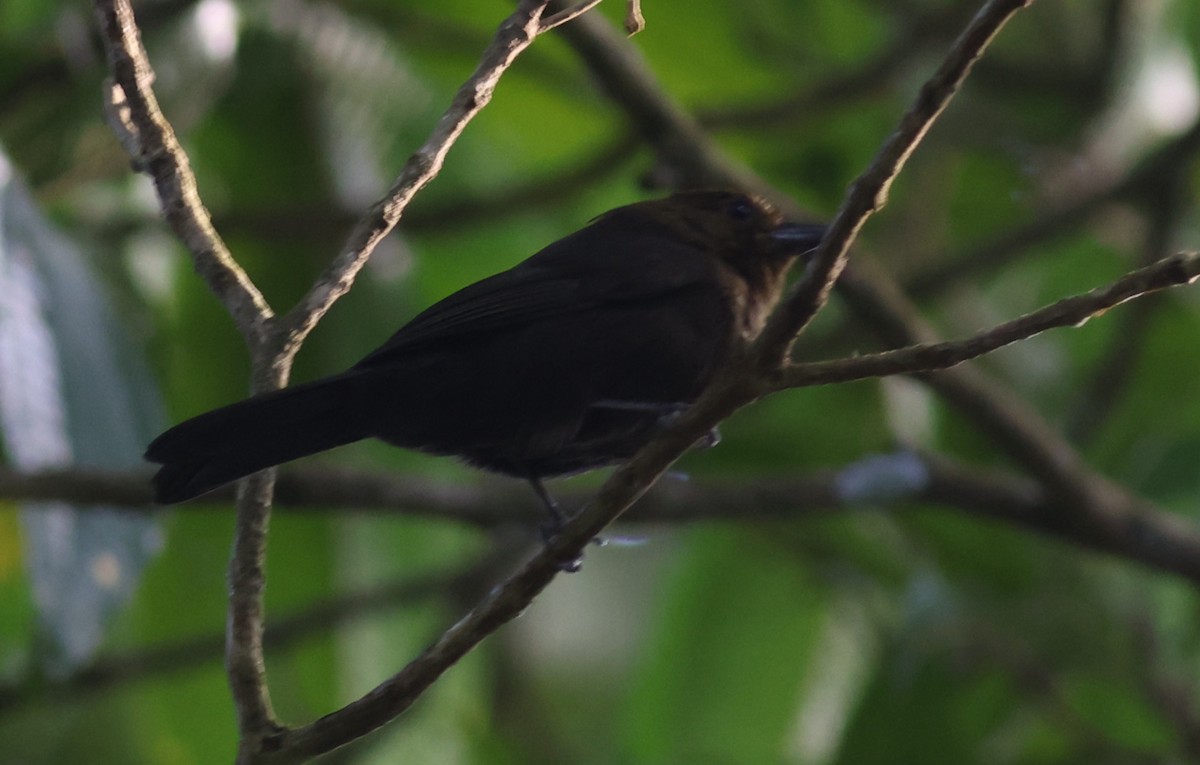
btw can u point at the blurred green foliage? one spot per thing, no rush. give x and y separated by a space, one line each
898 635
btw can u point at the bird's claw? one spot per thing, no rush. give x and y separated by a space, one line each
549 532
708 440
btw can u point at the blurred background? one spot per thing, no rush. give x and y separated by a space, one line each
895 631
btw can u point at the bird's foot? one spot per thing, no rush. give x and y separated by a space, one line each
708 440
550 531
554 525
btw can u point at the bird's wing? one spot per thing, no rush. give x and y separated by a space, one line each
492 305
573 275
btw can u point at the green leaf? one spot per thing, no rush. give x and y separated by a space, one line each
723 674
1119 711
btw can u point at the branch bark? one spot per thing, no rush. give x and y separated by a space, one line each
139 664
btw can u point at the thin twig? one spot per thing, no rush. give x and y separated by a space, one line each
515 34
634 20
1180 269
144 131
559 18
1112 375
1010 422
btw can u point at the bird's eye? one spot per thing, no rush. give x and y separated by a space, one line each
742 209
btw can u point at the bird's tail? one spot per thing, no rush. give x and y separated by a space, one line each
225 444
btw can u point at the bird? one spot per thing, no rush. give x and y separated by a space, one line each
571 360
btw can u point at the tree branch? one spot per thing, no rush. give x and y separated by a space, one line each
1015 427
680 143
146 134
634 21
998 250
1180 269
1127 526
1115 371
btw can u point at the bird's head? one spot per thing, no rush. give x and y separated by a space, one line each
745 233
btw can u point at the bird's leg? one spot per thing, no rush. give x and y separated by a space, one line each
667 413
556 517
554 525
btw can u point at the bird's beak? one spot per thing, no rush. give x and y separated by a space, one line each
801 238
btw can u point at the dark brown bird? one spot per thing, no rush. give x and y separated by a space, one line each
568 361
